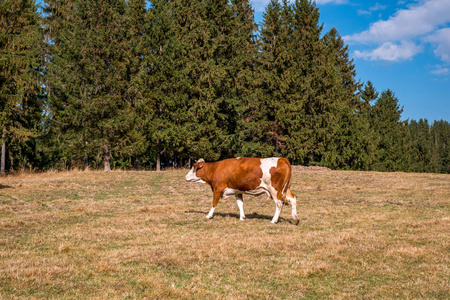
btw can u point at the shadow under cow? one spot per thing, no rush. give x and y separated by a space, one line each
234 215
6 187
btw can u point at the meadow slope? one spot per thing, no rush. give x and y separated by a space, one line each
118 235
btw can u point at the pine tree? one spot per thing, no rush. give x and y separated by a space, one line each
20 62
348 145
273 63
429 146
245 113
367 95
137 48
440 141
421 151
166 85
302 116
91 105
307 80
392 149
201 78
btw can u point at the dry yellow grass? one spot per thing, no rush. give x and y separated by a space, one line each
362 235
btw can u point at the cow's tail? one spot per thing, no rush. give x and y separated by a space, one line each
287 185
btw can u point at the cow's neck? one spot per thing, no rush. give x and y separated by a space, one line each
209 172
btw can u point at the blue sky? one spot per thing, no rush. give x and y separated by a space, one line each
402 45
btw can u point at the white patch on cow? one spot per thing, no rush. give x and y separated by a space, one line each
266 165
233 192
238 158
192 177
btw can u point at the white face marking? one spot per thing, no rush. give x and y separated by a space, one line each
192 177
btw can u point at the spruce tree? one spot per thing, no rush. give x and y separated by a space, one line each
91 105
349 146
166 83
440 141
201 79
367 95
137 48
392 148
20 82
422 147
246 114
274 61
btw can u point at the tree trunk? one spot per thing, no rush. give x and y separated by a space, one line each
107 166
86 161
137 163
3 158
86 158
158 162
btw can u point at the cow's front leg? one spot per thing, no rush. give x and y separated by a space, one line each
240 204
216 198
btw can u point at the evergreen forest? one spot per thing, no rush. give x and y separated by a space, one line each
134 84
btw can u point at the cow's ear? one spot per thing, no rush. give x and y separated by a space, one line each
197 165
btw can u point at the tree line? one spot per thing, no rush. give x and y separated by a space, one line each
138 84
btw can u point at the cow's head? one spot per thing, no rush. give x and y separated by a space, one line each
193 176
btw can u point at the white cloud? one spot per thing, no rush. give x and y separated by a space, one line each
391 52
442 39
376 7
364 12
406 23
440 71
405 33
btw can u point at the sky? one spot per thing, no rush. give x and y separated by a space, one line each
401 45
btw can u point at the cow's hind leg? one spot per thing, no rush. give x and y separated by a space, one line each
278 206
293 200
240 204
216 199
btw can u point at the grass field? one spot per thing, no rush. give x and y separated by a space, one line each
119 235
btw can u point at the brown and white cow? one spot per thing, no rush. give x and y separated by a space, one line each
253 176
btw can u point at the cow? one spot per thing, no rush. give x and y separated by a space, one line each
252 176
